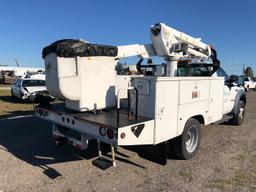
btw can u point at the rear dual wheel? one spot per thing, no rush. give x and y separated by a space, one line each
187 145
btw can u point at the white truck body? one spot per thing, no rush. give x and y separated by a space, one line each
171 101
166 102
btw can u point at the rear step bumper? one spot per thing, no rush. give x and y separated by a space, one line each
99 126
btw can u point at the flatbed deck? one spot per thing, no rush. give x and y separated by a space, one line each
106 118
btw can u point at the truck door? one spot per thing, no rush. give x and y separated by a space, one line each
17 87
228 99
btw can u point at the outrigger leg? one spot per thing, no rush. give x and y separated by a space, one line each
113 155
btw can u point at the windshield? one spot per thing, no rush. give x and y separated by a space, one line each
33 83
221 73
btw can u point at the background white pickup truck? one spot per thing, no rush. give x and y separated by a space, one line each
249 84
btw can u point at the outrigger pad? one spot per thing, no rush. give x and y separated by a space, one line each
102 163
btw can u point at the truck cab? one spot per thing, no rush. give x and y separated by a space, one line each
234 97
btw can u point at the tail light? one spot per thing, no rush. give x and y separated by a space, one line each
110 133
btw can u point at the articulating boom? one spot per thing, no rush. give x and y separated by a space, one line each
170 44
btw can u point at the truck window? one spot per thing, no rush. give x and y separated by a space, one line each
246 79
190 71
32 83
221 73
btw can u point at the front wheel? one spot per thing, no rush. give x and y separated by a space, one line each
239 115
187 145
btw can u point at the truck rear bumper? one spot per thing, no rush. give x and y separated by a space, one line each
102 126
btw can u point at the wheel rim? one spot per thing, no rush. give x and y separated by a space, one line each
241 113
191 139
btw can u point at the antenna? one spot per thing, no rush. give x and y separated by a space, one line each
16 61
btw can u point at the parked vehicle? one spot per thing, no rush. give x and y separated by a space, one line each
249 83
36 76
164 107
28 89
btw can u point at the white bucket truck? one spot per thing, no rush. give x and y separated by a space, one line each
165 104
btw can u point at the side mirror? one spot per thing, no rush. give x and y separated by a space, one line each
230 81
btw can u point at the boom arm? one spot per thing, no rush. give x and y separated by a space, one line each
143 51
169 43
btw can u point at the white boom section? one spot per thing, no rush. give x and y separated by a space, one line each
170 42
143 51
173 45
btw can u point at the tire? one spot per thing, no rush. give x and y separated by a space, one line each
238 116
255 88
12 95
187 145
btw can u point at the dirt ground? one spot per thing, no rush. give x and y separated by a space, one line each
29 161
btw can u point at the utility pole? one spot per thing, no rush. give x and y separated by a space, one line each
16 61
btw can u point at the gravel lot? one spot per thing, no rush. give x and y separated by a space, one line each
29 161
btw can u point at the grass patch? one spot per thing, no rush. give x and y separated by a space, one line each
164 186
148 181
5 92
10 107
186 175
239 179
240 157
217 183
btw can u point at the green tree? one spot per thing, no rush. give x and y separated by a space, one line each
248 72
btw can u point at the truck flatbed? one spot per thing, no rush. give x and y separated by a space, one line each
106 118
